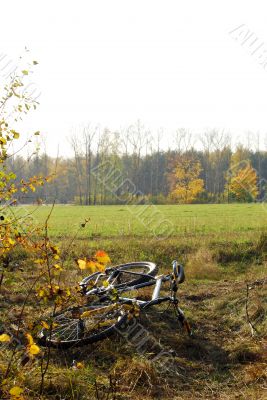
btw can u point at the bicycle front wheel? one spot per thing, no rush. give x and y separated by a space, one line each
79 326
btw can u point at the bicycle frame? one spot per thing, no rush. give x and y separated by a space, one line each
175 278
156 299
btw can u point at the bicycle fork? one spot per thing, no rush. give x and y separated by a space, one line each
180 314
183 321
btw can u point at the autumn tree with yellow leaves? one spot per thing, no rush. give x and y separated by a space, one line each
187 183
243 185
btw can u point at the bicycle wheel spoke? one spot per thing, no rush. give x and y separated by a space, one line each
91 321
62 332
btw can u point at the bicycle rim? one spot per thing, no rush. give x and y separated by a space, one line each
82 325
128 279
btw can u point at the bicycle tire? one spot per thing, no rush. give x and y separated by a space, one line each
51 337
144 267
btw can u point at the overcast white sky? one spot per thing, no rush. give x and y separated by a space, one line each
170 63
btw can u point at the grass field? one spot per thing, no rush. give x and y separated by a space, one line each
222 247
152 221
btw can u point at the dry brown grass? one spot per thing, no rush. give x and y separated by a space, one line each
200 265
221 362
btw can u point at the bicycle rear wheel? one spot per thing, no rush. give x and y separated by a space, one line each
129 273
121 277
79 326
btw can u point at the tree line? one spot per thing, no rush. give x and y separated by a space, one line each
130 166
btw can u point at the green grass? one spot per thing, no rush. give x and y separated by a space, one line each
150 221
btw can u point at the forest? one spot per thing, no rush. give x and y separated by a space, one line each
130 166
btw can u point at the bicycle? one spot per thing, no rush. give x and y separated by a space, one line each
81 325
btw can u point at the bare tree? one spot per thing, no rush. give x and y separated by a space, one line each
138 137
124 139
89 134
76 147
216 144
183 140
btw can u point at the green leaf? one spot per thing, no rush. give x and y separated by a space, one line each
37 133
35 62
25 72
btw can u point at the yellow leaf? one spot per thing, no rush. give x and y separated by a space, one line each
80 365
91 266
33 189
16 391
99 267
5 338
2 140
45 325
55 249
102 257
81 264
30 339
34 349
41 293
15 134
39 261
11 241
58 267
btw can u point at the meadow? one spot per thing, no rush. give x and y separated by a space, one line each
223 248
151 220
